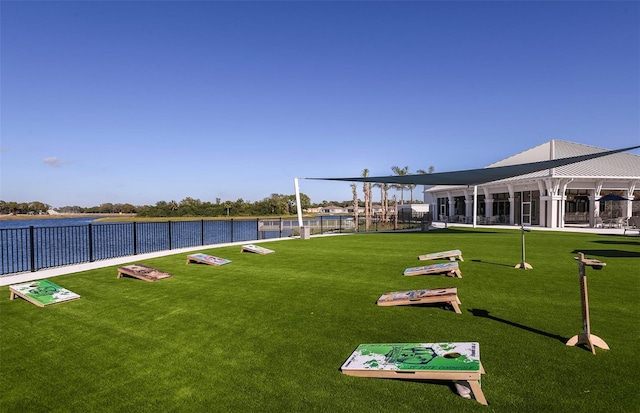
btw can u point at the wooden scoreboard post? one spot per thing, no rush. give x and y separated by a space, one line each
586 337
523 264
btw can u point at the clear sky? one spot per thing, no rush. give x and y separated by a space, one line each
147 101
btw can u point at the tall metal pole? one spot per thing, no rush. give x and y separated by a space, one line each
298 203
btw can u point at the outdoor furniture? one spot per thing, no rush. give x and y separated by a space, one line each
41 293
419 361
633 224
450 269
142 272
448 295
451 255
207 259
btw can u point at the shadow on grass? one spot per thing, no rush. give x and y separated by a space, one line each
494 263
609 253
625 242
485 314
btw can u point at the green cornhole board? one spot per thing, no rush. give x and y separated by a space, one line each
257 249
448 295
419 361
450 269
143 272
42 293
452 255
207 259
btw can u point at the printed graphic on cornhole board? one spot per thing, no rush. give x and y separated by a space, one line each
419 361
257 249
42 293
143 272
207 259
450 269
448 295
451 255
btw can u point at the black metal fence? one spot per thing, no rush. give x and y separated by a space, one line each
35 248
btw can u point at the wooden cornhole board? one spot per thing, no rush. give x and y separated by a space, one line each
419 361
41 293
257 249
447 295
143 272
452 255
207 259
450 269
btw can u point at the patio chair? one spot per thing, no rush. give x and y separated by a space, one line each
633 224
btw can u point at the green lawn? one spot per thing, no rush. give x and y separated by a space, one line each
268 333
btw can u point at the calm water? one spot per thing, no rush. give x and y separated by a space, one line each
53 222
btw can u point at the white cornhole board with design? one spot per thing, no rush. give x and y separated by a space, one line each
451 255
207 259
450 269
419 361
41 293
256 249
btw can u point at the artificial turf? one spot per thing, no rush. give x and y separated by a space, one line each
269 333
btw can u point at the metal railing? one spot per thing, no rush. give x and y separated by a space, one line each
36 248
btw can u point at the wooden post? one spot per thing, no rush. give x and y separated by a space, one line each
586 337
523 264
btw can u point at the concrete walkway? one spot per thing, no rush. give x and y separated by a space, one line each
69 269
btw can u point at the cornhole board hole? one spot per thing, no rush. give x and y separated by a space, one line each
450 269
41 293
207 259
257 249
448 295
419 361
452 255
143 272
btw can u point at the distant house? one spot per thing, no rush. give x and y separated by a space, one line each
549 198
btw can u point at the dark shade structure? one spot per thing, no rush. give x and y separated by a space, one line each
478 176
613 197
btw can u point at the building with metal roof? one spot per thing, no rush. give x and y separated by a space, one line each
568 194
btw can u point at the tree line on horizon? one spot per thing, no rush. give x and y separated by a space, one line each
275 204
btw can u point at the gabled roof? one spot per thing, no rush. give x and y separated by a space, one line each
491 174
620 165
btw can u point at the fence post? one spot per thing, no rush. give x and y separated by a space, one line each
135 238
90 243
169 230
202 232
231 229
32 247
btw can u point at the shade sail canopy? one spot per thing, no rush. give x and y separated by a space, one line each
477 176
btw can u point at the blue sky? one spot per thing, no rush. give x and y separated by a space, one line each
140 102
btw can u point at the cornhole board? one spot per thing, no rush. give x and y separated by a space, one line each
207 259
447 295
143 272
450 269
419 361
452 255
41 293
257 249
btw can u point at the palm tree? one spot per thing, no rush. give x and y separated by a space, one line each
366 188
400 172
354 190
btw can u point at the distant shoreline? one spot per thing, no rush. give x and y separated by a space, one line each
22 217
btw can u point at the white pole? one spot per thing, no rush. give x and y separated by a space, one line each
475 204
298 204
